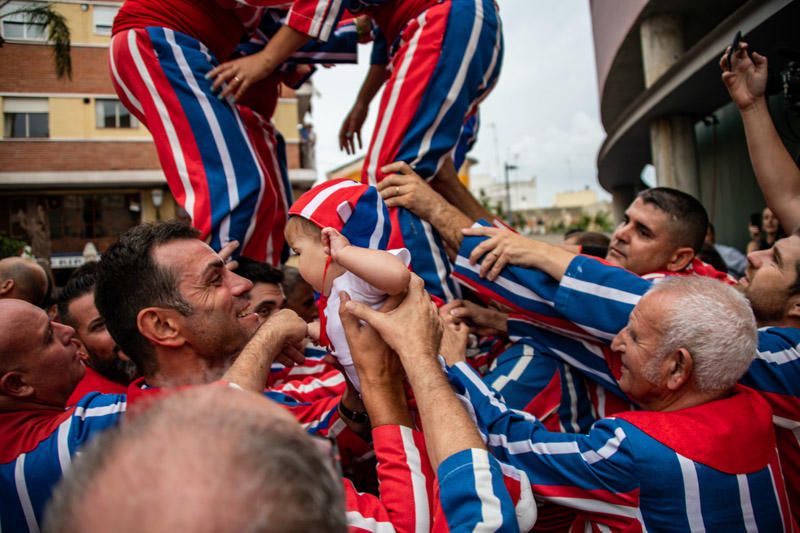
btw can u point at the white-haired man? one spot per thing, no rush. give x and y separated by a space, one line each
700 454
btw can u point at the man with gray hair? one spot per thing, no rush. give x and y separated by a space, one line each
204 459
700 454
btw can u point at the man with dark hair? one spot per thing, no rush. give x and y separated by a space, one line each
268 474
108 369
266 296
23 279
172 305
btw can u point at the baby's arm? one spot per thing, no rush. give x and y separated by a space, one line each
379 268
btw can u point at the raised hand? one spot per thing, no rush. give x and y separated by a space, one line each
746 78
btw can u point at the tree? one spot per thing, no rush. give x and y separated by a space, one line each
57 31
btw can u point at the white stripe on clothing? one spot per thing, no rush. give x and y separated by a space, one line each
315 202
746 504
602 291
517 370
166 121
414 462
357 520
24 497
64 458
128 94
491 514
691 487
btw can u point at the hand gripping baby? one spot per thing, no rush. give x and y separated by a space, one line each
340 230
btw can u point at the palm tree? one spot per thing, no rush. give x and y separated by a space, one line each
57 31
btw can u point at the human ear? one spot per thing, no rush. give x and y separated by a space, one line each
681 367
793 309
680 259
13 384
7 286
160 326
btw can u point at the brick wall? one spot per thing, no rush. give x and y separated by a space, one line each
29 68
35 156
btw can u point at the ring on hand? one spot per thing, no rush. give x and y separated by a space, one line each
397 191
237 78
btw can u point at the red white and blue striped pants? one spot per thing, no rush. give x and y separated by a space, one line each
221 160
446 61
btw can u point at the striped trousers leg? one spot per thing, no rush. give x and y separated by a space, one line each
220 160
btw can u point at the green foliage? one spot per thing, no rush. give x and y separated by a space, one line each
57 32
10 247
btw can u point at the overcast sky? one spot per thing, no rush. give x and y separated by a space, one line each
544 110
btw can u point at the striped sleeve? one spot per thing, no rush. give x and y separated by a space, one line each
314 388
405 476
315 18
593 472
473 495
93 414
598 297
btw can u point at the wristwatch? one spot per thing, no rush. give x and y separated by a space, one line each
358 417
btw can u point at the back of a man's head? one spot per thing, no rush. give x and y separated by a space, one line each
205 459
129 280
23 279
714 322
687 215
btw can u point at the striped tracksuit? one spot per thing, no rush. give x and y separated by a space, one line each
635 472
37 449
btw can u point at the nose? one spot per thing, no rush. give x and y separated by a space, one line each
63 332
756 258
616 342
622 232
240 285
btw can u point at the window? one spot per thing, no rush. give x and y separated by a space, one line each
18 25
25 118
103 18
112 114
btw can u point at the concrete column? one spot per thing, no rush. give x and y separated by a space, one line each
674 154
672 141
621 198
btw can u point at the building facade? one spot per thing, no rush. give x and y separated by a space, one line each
75 165
662 101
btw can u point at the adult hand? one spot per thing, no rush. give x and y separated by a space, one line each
291 331
746 79
484 320
453 346
333 242
403 187
351 128
226 252
503 247
376 364
416 314
240 74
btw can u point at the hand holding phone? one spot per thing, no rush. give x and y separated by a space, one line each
734 46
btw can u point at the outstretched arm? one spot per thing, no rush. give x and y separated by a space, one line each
776 172
351 126
379 268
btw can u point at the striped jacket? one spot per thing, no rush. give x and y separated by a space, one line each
37 448
635 472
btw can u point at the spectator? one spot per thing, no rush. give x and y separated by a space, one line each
208 458
770 232
23 279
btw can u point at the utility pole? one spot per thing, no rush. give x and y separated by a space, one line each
509 167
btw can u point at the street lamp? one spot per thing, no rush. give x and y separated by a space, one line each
158 199
509 167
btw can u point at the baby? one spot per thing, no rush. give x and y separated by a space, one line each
340 231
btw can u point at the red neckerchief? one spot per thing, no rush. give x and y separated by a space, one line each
322 303
696 267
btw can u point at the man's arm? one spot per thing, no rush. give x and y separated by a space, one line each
776 172
280 333
351 126
404 188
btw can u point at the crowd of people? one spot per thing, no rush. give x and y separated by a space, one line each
423 367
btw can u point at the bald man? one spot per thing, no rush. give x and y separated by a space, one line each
205 459
23 279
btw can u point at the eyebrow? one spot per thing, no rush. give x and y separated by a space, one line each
218 263
639 225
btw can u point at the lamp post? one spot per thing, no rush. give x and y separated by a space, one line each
157 196
508 167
